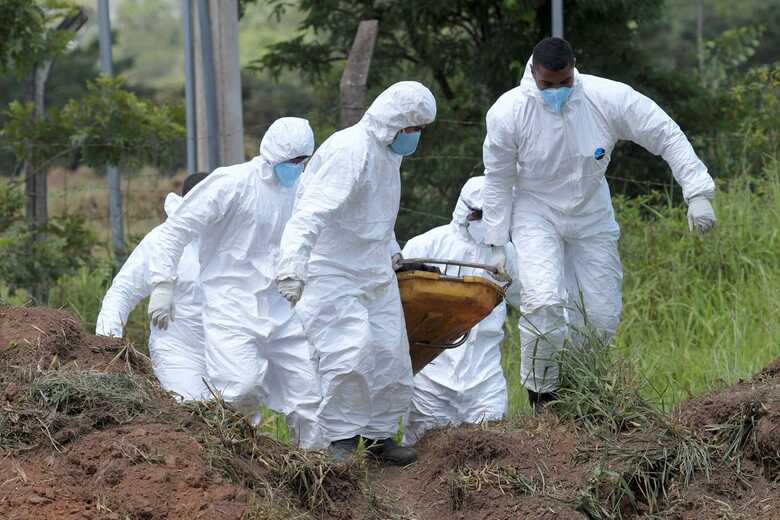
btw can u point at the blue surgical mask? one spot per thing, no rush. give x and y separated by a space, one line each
556 97
405 143
288 172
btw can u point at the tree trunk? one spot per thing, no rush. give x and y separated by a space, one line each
36 188
355 77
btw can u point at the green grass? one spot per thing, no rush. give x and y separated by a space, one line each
703 312
517 397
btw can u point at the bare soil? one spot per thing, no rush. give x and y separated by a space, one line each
76 457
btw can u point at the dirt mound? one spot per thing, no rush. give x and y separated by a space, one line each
48 338
743 422
477 472
143 471
745 417
85 432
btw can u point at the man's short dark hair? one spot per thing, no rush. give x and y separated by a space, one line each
190 181
553 54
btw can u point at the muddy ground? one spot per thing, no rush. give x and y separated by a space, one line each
86 433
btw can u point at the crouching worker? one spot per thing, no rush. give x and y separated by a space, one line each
177 352
464 384
256 352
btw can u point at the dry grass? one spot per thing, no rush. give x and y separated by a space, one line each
252 458
53 405
640 451
506 479
84 192
739 431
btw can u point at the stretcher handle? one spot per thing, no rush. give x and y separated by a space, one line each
457 343
493 270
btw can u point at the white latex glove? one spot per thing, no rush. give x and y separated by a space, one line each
701 217
396 261
291 289
161 307
498 260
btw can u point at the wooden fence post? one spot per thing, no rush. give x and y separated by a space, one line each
355 77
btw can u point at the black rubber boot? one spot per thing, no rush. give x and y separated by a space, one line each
343 450
539 401
388 451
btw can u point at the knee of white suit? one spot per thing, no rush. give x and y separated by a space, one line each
179 368
544 324
305 431
242 391
542 334
595 328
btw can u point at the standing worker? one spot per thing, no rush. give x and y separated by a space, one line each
177 353
335 257
551 139
255 349
464 384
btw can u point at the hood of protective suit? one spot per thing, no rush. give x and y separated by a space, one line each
286 138
529 88
172 203
404 104
470 199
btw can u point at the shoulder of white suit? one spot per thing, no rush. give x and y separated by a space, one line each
352 142
508 102
603 90
236 172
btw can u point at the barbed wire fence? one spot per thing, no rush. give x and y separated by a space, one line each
86 194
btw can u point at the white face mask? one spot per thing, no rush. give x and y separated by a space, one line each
477 230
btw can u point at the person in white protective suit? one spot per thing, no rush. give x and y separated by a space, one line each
464 384
256 352
177 353
335 259
551 140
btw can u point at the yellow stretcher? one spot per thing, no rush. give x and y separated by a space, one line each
440 309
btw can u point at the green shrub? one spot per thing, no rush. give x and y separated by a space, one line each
63 247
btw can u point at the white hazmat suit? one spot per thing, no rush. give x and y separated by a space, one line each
338 242
465 384
560 217
177 353
255 349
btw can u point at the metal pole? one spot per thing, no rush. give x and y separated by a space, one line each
209 83
104 23
189 88
557 18
114 178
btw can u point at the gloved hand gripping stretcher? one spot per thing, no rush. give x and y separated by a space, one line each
440 309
